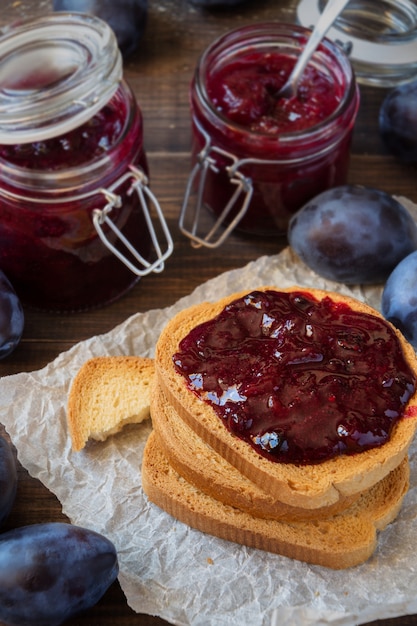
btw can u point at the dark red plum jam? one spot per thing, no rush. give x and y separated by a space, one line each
50 189
300 380
287 150
245 92
91 141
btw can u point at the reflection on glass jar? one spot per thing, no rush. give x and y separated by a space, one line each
257 158
75 208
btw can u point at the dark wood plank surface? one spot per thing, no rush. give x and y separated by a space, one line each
160 72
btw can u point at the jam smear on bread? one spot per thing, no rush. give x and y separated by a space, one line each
301 380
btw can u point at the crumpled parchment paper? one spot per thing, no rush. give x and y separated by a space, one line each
166 568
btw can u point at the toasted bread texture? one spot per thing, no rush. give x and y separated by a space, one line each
207 470
106 394
337 542
302 486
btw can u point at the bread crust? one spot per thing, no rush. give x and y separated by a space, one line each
337 542
306 486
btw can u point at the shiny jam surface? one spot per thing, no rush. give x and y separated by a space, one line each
300 380
245 92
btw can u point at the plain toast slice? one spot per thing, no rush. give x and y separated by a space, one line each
106 394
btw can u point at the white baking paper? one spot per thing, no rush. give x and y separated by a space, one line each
166 568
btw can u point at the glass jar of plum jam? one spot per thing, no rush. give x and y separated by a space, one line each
78 223
258 158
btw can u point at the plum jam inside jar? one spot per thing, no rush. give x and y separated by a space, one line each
258 158
78 223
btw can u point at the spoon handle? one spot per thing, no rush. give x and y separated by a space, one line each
329 15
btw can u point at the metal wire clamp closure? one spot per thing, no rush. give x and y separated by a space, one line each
201 168
101 216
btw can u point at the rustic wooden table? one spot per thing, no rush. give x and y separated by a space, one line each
160 73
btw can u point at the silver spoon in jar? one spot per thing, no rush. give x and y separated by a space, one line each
330 13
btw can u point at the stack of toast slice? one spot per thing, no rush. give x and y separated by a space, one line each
326 513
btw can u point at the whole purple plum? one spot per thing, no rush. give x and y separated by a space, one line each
399 298
398 122
50 572
127 18
12 319
353 234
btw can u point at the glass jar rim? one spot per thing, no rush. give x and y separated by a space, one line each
273 29
56 72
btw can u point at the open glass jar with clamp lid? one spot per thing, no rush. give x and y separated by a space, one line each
78 222
258 158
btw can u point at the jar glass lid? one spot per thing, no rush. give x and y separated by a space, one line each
380 38
56 72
